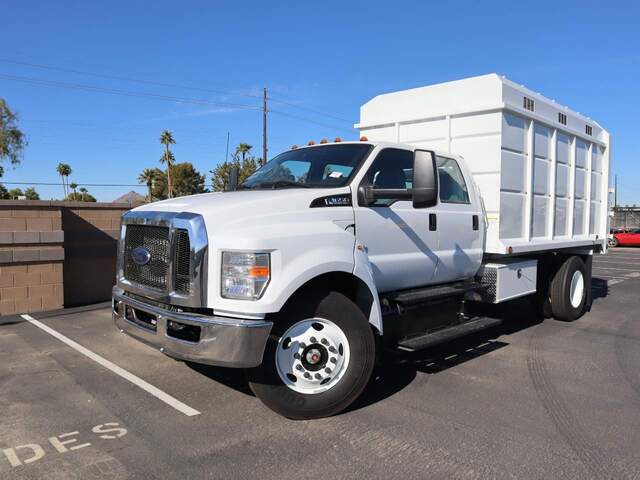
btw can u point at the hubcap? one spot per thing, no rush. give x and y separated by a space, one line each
312 355
577 289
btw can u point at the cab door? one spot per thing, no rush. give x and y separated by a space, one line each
398 238
460 224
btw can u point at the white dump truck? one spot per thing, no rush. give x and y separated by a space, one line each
477 190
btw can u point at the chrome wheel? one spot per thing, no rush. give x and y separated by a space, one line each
576 291
312 355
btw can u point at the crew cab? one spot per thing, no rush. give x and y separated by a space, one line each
330 252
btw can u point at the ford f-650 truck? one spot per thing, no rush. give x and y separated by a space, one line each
477 190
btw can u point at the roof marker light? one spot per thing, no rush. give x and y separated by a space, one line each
364 139
324 140
311 142
337 140
294 147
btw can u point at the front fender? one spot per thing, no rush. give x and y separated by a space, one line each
362 269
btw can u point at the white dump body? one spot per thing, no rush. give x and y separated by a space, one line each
542 169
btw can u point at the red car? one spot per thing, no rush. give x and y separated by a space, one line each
627 238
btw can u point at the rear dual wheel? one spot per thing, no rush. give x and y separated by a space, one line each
318 358
568 290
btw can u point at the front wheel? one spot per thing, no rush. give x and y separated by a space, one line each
318 358
613 242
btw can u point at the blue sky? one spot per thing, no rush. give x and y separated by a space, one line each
327 57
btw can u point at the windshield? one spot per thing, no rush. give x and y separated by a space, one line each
323 166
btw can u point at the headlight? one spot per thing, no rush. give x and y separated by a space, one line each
245 275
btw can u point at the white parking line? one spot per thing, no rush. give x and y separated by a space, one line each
156 392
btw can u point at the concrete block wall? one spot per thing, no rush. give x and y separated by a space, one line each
56 254
31 258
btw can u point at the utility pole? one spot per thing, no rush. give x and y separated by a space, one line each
264 126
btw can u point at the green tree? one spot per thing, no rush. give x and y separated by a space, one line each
12 140
186 181
14 193
4 193
246 167
148 176
243 149
31 194
166 139
64 170
73 186
82 196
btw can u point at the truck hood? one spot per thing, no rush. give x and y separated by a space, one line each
250 209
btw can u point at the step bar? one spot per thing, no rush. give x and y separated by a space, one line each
439 337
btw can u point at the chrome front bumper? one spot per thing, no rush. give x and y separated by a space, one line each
222 341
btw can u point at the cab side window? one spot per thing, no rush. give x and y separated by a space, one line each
453 188
392 169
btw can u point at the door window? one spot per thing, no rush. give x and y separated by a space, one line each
453 188
392 169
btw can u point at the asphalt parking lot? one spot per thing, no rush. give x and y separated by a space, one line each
527 399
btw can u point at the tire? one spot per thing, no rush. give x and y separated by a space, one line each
569 290
541 304
296 343
613 242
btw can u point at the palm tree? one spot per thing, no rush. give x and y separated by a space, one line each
64 170
148 176
73 187
82 192
166 139
243 149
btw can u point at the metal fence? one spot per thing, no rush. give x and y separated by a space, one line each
626 217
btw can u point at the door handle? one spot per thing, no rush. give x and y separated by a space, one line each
433 222
475 222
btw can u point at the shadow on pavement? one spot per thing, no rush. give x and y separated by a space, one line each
599 288
400 369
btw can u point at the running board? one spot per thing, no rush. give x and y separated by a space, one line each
438 337
422 295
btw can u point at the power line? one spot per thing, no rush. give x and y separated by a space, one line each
52 184
170 85
309 109
125 93
126 79
305 119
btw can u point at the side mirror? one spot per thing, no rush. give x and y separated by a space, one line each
233 179
425 179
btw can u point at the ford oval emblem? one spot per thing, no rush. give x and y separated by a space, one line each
140 255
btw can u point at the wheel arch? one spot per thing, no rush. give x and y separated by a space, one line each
352 287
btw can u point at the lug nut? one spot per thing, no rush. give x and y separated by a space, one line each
296 356
313 340
307 375
324 341
327 370
303 345
332 349
299 367
318 376
333 360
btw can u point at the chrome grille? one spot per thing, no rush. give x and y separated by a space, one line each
182 262
156 241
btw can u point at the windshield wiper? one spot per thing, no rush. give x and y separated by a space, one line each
281 183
